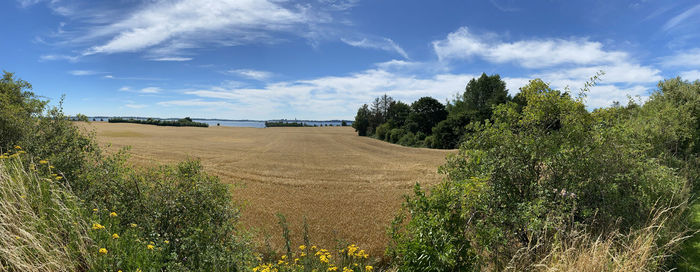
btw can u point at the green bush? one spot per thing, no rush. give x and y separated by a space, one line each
382 131
408 139
532 176
181 204
396 134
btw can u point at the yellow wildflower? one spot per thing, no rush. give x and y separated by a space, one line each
138 270
51 167
302 254
150 247
59 178
18 147
296 260
115 236
103 251
346 269
284 257
323 259
112 214
333 268
97 226
133 225
313 247
280 262
43 161
302 247
369 268
166 242
22 152
94 210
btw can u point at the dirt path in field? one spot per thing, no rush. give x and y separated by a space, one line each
348 187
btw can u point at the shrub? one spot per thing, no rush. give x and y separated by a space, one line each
181 204
408 139
382 131
396 134
533 175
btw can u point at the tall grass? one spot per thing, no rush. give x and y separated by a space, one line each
41 228
645 249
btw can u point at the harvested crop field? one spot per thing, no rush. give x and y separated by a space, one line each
348 187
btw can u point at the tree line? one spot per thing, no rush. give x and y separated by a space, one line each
184 122
429 123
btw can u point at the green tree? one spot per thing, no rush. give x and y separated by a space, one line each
426 112
18 105
398 113
362 120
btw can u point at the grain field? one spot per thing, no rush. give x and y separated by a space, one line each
348 187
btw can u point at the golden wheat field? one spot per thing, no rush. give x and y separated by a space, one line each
348 187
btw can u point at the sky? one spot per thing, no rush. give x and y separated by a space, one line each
322 59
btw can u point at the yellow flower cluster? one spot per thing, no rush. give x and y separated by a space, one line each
103 251
351 259
97 226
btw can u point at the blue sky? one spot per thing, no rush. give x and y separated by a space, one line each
322 59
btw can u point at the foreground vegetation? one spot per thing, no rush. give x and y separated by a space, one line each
184 122
541 184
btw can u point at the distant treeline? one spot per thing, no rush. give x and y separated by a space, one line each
285 124
429 123
184 122
300 124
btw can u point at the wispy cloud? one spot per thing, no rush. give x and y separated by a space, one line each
252 74
385 44
172 24
171 59
84 72
147 90
693 12
462 44
52 57
135 106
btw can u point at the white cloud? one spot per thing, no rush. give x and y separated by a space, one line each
252 74
189 22
678 19
385 44
150 90
136 106
462 44
84 72
52 57
171 59
147 90
686 58
614 73
691 75
195 102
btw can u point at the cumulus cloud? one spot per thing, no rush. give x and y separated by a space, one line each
385 44
691 75
462 44
687 58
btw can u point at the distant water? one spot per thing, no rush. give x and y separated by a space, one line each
234 123
223 123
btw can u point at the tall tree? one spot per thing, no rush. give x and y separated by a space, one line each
397 113
426 113
362 120
480 96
